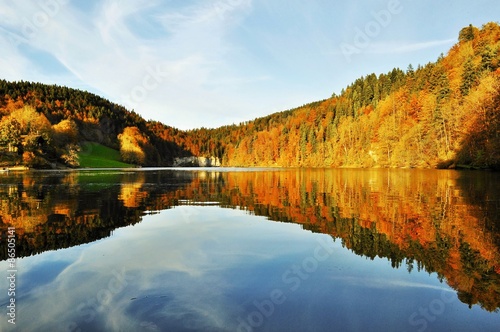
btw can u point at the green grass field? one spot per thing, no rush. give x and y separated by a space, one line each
97 155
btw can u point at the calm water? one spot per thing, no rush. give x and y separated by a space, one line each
251 250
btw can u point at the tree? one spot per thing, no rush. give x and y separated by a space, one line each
488 61
469 77
467 33
65 132
132 142
10 133
410 71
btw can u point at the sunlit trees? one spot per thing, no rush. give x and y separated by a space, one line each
130 146
135 147
65 139
28 133
417 118
65 132
10 133
481 144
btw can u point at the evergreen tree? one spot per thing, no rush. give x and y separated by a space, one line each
487 59
466 34
469 77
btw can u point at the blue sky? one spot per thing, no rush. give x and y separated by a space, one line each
196 63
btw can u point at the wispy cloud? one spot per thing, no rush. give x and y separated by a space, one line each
108 51
405 47
222 61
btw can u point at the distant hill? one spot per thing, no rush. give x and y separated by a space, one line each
442 114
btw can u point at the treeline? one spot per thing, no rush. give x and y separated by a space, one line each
442 114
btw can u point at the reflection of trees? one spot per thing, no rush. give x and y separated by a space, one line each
421 217
52 211
444 222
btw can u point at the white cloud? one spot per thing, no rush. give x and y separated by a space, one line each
405 47
227 60
107 53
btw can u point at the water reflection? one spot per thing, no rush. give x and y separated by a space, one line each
445 222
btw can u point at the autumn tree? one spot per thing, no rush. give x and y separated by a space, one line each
65 139
10 133
29 133
65 132
133 144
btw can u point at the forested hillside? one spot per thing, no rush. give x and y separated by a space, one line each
442 114
45 125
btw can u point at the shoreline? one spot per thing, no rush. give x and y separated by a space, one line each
7 169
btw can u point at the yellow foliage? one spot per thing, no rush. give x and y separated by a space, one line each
31 121
65 132
132 142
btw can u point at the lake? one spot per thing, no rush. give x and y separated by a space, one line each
250 250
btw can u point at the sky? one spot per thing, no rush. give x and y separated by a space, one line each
194 63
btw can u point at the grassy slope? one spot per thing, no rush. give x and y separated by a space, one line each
97 155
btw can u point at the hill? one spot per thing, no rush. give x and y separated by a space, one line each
442 114
97 155
48 125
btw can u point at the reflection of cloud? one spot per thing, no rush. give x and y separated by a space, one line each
163 272
386 283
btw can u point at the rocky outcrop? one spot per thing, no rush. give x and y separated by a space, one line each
194 161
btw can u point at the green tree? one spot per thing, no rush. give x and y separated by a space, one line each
467 33
487 59
469 77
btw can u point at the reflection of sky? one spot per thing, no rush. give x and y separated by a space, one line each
205 268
